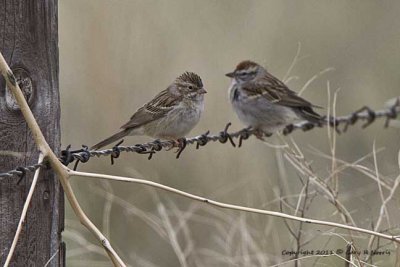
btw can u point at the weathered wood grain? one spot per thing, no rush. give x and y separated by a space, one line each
29 43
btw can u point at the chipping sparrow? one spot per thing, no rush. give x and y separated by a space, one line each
263 102
170 115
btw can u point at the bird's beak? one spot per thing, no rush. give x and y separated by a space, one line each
230 74
202 91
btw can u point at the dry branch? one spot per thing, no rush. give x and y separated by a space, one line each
23 214
232 207
83 155
51 158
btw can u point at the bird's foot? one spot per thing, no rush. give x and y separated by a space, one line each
180 144
260 134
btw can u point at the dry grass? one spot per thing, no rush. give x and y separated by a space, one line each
199 235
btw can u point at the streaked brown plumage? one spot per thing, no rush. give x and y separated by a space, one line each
264 102
169 115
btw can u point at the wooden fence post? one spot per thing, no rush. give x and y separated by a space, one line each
29 43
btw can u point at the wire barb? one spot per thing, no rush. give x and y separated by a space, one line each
333 123
202 140
66 156
22 175
244 135
156 147
84 154
225 136
393 112
22 172
116 151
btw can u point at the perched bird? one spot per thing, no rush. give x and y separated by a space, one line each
263 102
170 115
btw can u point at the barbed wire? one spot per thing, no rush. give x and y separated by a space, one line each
22 171
340 124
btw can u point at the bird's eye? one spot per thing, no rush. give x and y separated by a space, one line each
243 74
190 87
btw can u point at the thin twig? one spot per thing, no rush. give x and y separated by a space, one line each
51 258
23 214
304 169
230 206
313 78
172 236
382 210
295 60
107 207
355 165
48 154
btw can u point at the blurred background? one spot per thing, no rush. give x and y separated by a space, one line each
117 55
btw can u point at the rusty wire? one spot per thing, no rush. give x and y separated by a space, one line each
340 124
22 171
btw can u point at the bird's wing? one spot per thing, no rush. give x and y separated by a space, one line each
275 91
153 110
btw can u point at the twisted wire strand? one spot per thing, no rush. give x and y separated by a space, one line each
340 124
365 114
22 171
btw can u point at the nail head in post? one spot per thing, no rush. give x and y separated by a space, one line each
46 195
24 80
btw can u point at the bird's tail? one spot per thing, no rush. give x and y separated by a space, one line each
309 114
111 139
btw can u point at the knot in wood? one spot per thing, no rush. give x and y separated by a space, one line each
24 80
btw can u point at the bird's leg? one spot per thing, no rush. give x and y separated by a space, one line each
173 143
260 134
180 143
181 146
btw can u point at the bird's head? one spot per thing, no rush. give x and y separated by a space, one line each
246 71
189 85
